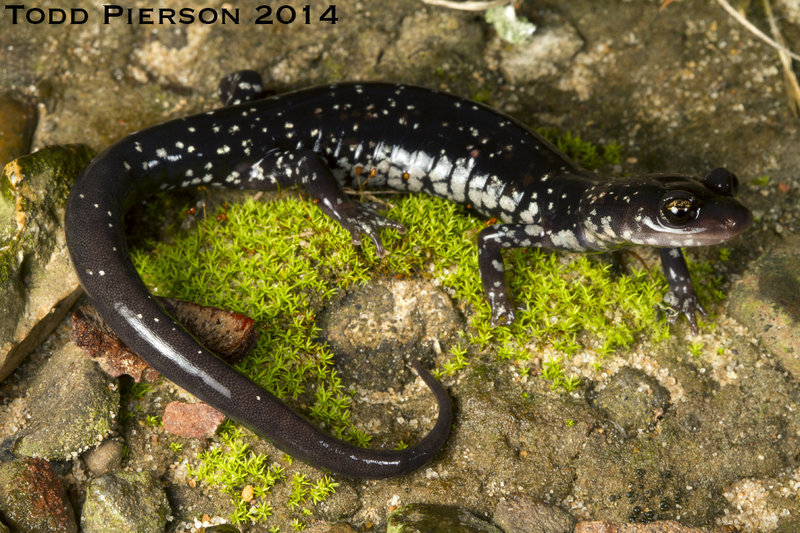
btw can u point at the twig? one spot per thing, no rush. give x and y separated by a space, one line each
467 6
758 33
792 86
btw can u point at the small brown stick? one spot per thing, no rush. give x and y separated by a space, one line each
755 31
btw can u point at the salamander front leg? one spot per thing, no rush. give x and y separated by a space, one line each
681 296
490 241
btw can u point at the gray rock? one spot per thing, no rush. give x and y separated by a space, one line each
373 327
632 400
73 405
342 503
511 27
430 518
37 282
520 513
125 501
767 300
105 457
545 55
791 10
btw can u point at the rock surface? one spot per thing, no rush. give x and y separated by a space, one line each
73 405
17 122
38 285
428 518
768 301
33 498
125 501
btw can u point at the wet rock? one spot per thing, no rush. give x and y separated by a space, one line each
547 53
632 400
430 518
520 513
192 420
105 457
17 122
73 405
767 300
37 282
33 499
668 526
125 501
376 329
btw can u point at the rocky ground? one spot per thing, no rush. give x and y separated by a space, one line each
703 431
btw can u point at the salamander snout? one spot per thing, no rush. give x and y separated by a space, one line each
733 218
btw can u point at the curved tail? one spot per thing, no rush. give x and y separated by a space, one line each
96 241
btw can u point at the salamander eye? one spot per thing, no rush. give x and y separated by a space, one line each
678 209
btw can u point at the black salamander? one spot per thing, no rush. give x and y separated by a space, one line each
365 135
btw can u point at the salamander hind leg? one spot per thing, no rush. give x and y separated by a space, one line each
306 168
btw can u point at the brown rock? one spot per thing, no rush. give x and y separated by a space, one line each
192 420
17 122
229 335
32 498
96 338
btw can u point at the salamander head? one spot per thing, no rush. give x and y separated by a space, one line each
667 211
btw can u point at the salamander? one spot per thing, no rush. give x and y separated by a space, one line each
364 135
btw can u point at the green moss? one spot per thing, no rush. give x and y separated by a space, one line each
588 155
